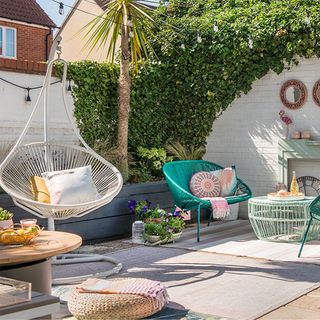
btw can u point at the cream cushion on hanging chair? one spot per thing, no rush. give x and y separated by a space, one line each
71 186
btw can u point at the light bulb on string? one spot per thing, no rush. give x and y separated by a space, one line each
131 33
183 47
307 20
28 98
69 88
250 43
215 28
61 8
199 39
129 22
166 3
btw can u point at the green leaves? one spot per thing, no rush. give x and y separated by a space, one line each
179 93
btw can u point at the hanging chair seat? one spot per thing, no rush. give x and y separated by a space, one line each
26 160
35 158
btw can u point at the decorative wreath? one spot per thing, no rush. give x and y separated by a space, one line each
302 98
316 93
205 185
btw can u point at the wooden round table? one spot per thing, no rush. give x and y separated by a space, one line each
31 263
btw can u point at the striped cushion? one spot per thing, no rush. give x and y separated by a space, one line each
204 185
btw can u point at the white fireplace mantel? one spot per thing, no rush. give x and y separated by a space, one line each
295 149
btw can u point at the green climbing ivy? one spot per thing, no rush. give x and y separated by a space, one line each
207 53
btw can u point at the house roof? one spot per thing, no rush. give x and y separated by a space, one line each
26 11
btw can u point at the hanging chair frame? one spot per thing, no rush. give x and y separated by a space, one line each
36 207
109 178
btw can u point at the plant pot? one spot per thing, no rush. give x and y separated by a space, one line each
157 220
152 239
234 210
175 237
5 224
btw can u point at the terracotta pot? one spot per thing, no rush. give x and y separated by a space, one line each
158 220
5 224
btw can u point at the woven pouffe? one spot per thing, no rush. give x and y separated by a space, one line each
93 306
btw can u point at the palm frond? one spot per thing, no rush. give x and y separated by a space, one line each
104 31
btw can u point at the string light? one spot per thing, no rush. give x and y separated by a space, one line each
61 8
307 19
183 47
215 28
69 88
199 39
28 98
250 43
28 89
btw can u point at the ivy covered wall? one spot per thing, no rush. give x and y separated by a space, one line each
207 54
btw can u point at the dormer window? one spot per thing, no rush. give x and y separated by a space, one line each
8 42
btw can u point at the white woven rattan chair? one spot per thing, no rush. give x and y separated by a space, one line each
31 159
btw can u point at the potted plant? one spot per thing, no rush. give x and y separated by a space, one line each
5 219
160 226
175 226
155 231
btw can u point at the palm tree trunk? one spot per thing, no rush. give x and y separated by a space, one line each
124 99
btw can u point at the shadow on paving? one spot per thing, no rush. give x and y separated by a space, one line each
211 284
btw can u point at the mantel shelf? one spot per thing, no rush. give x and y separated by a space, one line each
312 142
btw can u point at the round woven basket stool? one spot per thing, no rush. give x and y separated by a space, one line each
95 306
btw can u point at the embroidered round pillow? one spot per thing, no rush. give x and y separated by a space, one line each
204 185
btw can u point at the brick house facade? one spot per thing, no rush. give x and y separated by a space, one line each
31 29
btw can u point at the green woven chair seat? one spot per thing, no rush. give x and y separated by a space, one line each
178 175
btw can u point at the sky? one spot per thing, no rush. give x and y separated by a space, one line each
52 9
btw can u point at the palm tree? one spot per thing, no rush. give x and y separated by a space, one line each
131 21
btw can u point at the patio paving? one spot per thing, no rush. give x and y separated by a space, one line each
224 286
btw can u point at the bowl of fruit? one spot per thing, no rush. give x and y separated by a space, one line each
19 235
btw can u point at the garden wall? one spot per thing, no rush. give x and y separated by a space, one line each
247 133
110 221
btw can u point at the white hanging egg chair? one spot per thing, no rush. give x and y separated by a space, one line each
32 159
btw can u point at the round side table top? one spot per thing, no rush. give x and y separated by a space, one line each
265 200
46 245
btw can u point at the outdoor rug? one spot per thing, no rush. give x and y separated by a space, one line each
237 238
224 286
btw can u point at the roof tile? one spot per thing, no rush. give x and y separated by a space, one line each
25 10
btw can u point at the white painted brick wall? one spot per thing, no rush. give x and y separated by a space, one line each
14 111
247 133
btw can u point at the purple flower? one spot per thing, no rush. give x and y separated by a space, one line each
132 205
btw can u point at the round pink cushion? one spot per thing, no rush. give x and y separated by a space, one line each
204 185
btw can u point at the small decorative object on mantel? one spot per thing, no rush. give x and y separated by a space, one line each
287 121
293 94
305 135
296 135
316 93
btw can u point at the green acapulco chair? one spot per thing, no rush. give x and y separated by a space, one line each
314 214
178 175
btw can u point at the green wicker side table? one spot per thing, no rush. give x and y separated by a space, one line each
283 221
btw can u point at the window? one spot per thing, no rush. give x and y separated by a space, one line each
7 42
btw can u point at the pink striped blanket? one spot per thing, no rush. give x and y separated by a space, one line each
150 289
220 207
